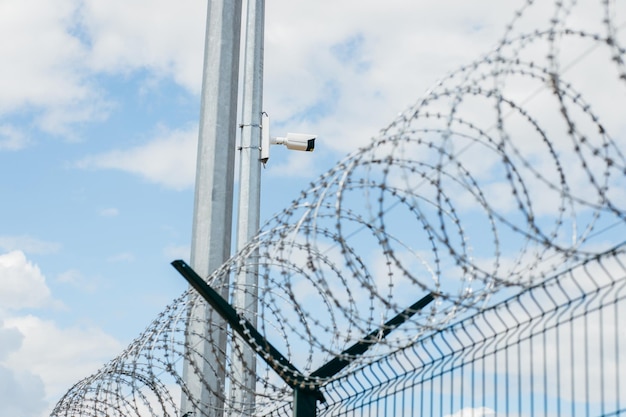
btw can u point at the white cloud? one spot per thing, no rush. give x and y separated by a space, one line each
38 53
22 393
84 350
11 340
12 138
22 285
344 82
163 36
168 160
39 360
56 51
43 65
374 59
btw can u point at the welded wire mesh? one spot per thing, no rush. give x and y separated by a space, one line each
502 191
555 349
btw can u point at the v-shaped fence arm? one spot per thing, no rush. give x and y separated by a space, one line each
306 388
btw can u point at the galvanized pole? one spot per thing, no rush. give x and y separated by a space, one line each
248 218
212 219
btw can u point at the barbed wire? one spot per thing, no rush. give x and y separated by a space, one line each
508 171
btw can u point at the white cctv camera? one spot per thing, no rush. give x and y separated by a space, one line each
294 141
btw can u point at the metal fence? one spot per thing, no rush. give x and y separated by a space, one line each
501 192
558 348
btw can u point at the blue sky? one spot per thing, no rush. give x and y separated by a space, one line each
99 105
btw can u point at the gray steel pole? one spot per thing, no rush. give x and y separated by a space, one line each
248 217
213 208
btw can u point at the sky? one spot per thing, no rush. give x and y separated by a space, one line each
99 108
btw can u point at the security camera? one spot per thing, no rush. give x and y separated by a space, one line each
294 141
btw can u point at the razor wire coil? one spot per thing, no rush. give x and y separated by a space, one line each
506 174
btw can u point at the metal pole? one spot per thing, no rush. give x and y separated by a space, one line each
248 217
212 219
